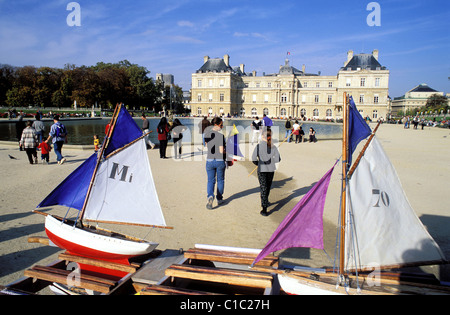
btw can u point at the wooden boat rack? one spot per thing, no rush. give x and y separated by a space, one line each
169 272
197 271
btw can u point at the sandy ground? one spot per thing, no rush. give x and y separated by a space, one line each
421 158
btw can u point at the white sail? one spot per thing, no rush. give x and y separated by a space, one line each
124 190
386 230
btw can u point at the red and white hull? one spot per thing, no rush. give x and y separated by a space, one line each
89 244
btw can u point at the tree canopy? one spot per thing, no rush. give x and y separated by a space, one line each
104 84
437 103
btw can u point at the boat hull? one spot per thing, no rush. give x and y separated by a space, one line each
297 286
86 243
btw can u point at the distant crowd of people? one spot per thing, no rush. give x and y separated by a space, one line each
416 121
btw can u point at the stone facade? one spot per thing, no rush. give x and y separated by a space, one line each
414 99
219 89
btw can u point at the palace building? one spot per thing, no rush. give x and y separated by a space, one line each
220 89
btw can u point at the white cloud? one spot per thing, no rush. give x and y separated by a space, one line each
185 24
186 39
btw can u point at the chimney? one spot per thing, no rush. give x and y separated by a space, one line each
254 73
226 59
375 54
242 66
205 59
349 55
303 68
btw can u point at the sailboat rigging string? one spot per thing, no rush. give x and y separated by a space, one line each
336 245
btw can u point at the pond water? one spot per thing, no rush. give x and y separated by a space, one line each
81 131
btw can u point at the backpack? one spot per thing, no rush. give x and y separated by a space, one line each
288 124
61 131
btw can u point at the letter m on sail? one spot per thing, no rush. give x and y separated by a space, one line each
122 172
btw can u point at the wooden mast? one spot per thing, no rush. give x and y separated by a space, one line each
99 158
344 185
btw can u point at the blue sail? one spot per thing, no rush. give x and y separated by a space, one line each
73 190
358 129
125 131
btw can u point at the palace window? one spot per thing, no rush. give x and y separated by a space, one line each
242 111
330 84
361 99
363 81
375 99
283 112
377 82
375 114
316 112
283 98
266 111
199 97
303 112
348 82
254 112
330 99
316 98
210 97
199 83
329 113
199 111
222 97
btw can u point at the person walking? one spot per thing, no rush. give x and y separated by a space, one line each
20 126
202 127
288 126
267 122
163 137
265 156
215 162
256 130
312 135
45 152
29 142
58 134
177 130
145 130
38 125
296 131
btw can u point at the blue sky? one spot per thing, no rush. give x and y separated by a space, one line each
172 36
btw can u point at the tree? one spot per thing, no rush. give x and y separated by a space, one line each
437 103
6 81
23 87
87 88
105 84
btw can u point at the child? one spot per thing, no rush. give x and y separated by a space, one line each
45 151
96 142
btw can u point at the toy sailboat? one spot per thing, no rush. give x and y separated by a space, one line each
114 186
378 229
